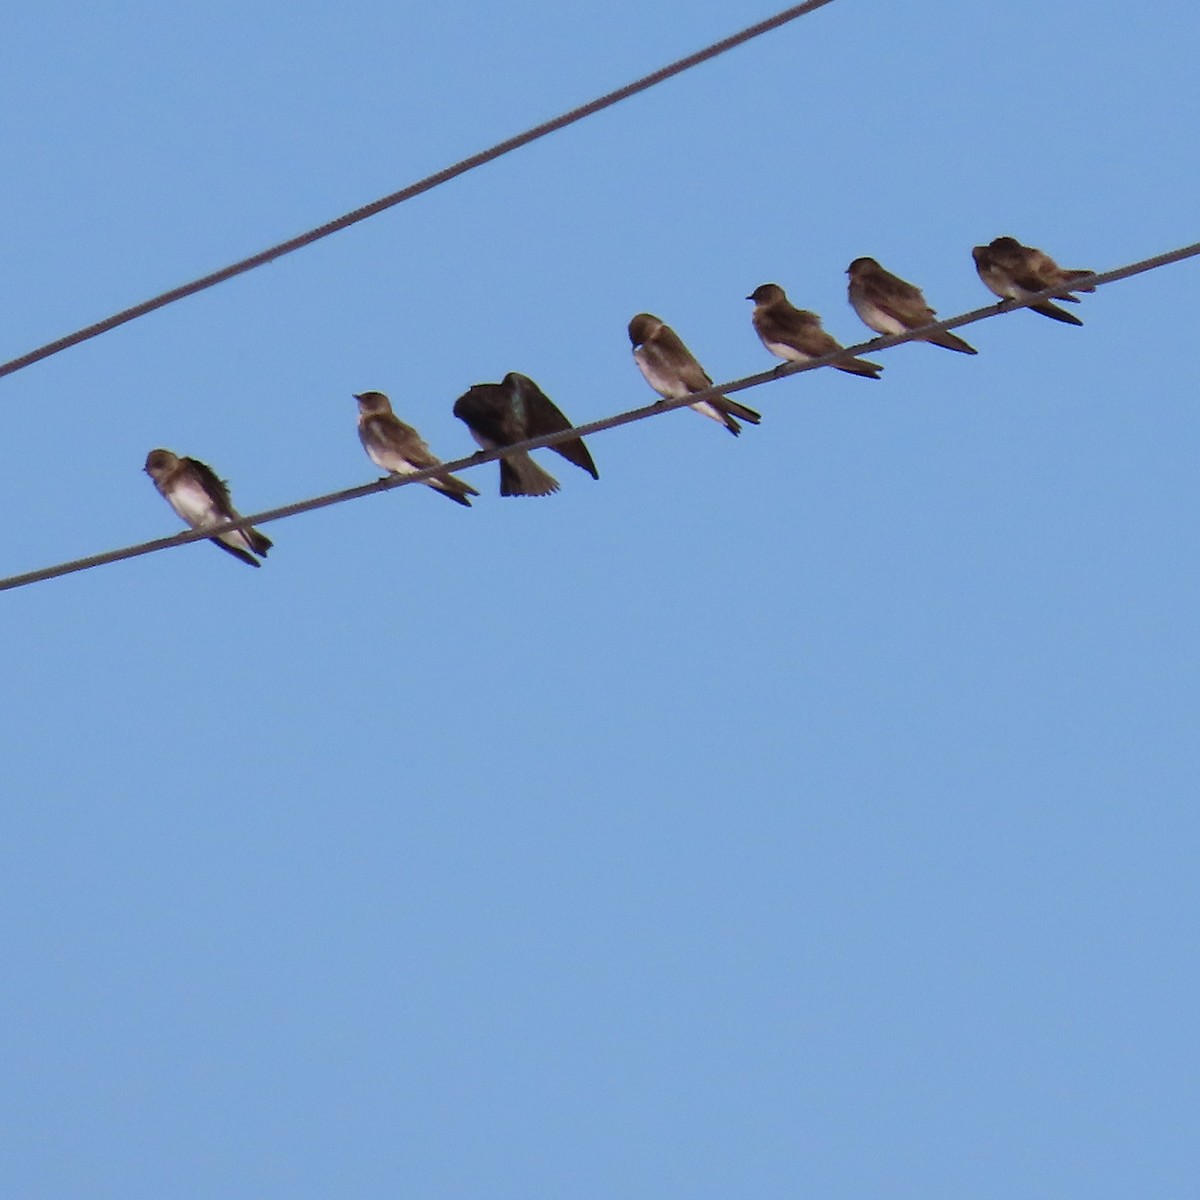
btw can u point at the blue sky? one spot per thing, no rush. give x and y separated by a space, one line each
807 814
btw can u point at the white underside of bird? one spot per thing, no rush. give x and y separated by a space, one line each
789 353
196 507
875 318
670 386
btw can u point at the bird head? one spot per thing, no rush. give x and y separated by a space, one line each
643 327
159 462
767 293
373 403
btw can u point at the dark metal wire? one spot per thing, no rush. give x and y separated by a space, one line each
783 371
407 193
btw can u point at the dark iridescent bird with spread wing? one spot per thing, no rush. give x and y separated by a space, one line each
501 414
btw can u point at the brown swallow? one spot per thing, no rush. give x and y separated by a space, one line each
889 305
1012 272
193 490
399 449
670 369
795 335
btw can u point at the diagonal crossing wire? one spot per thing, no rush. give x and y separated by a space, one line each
413 189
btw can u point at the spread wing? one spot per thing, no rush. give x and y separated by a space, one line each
542 416
487 409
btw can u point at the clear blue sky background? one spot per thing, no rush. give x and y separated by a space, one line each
813 814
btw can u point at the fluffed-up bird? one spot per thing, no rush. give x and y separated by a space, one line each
501 414
889 305
193 490
795 334
1012 272
671 370
399 449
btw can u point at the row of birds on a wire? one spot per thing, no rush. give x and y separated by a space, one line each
516 409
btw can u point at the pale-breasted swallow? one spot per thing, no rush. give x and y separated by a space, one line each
193 490
671 370
501 414
1012 272
888 305
399 449
795 334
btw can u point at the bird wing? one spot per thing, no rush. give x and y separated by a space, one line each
217 488
1027 267
404 439
487 409
804 329
898 298
542 416
691 374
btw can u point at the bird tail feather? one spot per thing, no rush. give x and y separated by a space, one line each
951 342
574 451
521 476
237 551
860 366
454 489
1056 313
732 407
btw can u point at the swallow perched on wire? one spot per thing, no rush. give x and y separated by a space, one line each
501 414
193 490
889 305
670 369
796 335
1012 272
399 449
